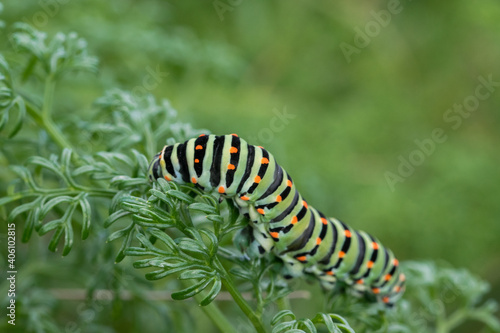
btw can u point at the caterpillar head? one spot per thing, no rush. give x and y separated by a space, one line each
157 167
154 170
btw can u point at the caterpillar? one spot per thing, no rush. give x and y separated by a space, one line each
282 221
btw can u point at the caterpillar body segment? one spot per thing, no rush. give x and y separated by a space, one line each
281 220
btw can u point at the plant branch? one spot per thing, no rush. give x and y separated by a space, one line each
46 123
238 298
48 96
213 312
283 303
150 143
58 192
260 299
446 325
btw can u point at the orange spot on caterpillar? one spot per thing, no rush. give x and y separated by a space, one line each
402 277
341 254
198 147
233 150
304 203
302 258
397 289
196 160
318 241
376 290
261 211
274 234
278 198
257 179
385 299
370 264
324 220
388 277
348 233
360 281
167 178
231 167
395 262
202 135
221 189
375 245
330 273
260 147
245 198
289 183
264 161
236 135
294 220
193 180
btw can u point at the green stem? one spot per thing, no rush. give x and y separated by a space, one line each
283 303
445 325
238 298
59 192
56 135
260 300
48 96
441 327
47 123
256 321
213 312
442 324
150 143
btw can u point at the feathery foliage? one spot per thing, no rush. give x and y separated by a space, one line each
96 188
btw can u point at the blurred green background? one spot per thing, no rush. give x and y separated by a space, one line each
234 66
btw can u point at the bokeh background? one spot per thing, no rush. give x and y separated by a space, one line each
277 73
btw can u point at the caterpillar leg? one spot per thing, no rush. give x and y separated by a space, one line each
253 242
291 268
327 281
328 285
262 242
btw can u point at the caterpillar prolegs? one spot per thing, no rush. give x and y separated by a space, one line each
282 221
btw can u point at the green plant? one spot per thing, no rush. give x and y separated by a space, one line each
65 188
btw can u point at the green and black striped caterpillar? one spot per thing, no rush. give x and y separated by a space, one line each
282 222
